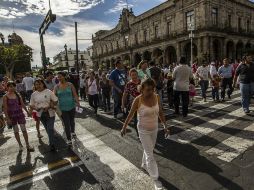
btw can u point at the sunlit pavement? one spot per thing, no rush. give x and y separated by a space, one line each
211 149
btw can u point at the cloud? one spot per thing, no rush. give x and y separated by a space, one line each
54 43
119 5
20 8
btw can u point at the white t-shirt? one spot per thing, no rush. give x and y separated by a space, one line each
203 72
28 82
213 70
42 100
92 87
182 75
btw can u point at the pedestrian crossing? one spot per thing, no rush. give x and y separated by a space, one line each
234 146
206 121
207 118
209 121
112 170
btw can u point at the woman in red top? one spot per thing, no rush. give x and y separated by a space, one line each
131 92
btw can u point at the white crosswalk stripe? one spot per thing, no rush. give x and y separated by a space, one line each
228 149
234 146
111 169
194 133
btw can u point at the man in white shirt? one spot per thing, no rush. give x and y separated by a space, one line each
203 73
28 81
213 69
182 75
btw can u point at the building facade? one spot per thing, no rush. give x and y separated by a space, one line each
69 61
221 28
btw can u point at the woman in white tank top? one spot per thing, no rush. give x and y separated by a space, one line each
148 108
92 89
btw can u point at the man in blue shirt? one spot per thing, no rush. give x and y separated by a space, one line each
226 73
118 80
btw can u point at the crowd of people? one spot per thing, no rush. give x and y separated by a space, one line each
137 92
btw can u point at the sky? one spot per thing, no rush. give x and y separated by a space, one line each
25 17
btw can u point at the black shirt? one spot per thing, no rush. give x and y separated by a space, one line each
155 73
74 79
245 73
156 76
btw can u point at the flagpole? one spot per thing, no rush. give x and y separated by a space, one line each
127 4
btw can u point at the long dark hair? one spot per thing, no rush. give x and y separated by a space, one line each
12 83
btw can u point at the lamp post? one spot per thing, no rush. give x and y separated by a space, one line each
2 38
191 36
66 57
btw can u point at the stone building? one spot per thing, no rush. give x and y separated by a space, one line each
222 28
61 61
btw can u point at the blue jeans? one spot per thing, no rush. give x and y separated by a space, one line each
252 88
215 93
48 123
204 86
246 95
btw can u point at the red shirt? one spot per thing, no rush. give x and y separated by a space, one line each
131 88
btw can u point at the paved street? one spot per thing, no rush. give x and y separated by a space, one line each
211 149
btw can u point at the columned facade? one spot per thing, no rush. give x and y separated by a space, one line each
161 34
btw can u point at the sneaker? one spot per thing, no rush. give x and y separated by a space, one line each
157 185
144 167
73 135
247 111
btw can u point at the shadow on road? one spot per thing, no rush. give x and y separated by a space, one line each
189 157
102 172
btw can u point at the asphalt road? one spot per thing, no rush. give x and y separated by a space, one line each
212 149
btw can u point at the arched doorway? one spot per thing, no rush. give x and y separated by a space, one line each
248 47
230 50
107 64
157 56
137 59
239 50
187 52
147 56
126 60
170 55
216 50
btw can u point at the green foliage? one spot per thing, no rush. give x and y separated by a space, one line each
15 59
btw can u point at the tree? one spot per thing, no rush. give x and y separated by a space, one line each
14 55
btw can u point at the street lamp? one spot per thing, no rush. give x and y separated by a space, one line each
191 36
2 38
66 57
